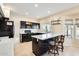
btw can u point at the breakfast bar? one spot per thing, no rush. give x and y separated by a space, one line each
40 43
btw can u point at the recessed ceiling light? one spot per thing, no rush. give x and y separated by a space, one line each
48 11
26 13
36 5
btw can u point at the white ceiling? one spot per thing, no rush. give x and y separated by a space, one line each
29 10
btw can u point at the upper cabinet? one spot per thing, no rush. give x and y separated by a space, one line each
29 25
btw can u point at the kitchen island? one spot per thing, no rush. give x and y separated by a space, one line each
40 43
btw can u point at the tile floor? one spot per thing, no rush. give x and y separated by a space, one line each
71 48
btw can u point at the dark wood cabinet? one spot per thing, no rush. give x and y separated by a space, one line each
25 38
10 28
29 25
6 30
3 27
39 47
23 24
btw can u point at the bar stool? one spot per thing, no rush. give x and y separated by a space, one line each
53 46
60 42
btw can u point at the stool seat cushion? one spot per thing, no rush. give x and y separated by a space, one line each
52 43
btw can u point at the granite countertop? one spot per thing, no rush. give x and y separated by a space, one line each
22 31
47 36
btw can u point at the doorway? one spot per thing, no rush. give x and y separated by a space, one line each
69 30
77 28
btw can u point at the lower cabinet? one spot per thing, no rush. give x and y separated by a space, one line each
39 47
25 37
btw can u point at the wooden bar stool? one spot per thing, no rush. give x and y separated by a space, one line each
53 46
60 42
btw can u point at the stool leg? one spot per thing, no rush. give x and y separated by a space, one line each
62 47
48 50
57 51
